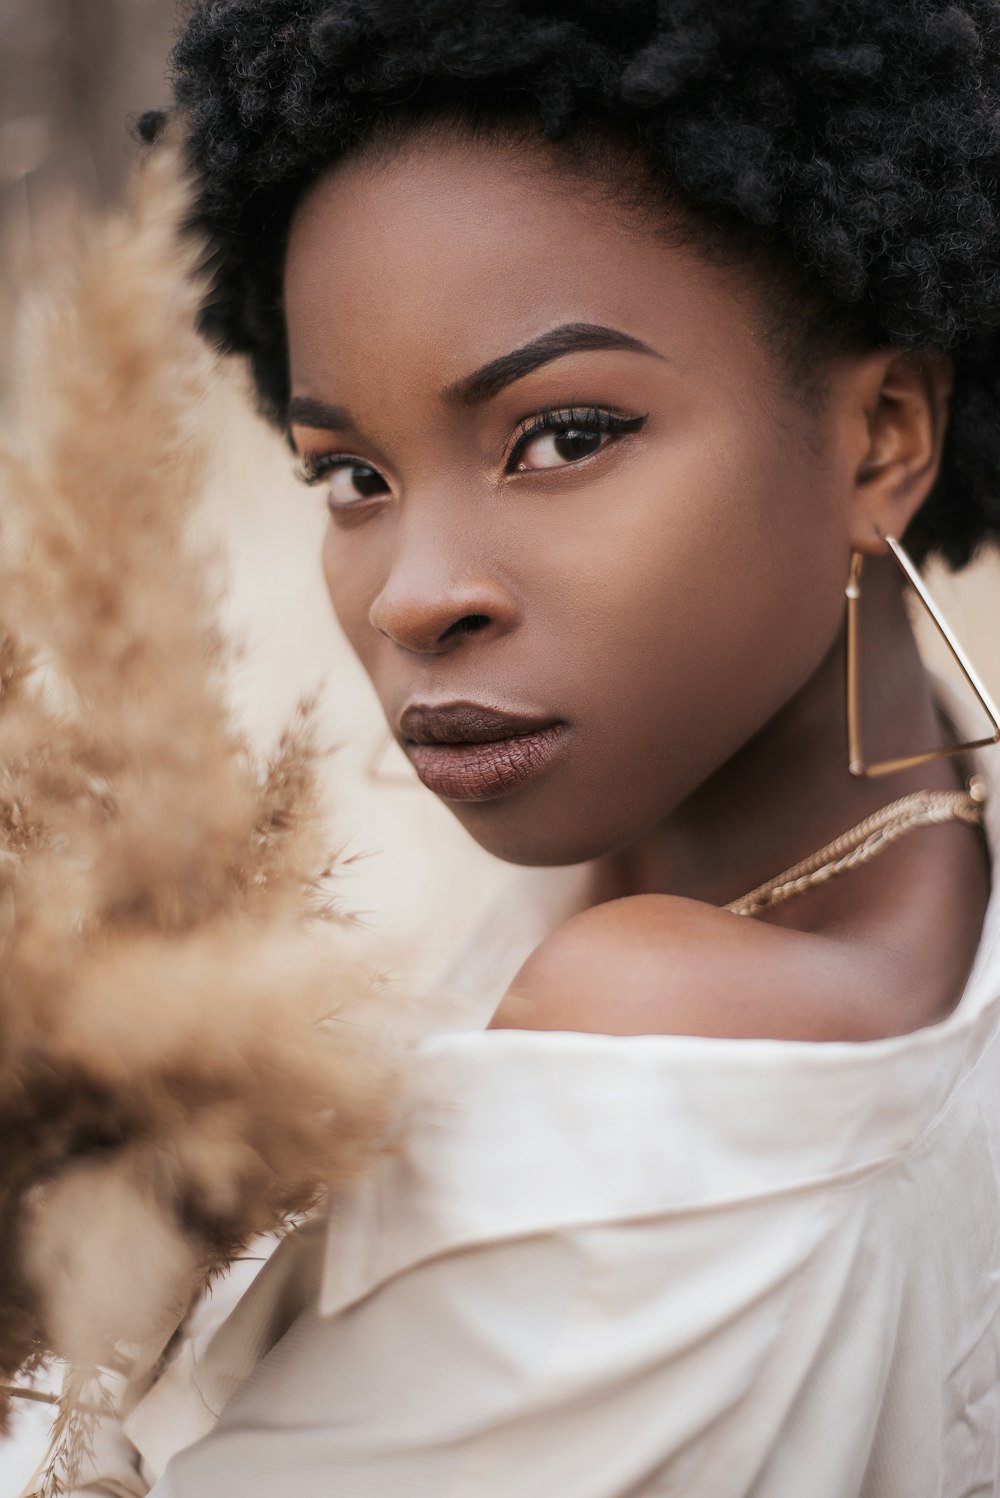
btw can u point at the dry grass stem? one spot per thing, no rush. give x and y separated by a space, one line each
171 1082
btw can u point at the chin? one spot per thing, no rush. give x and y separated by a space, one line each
530 838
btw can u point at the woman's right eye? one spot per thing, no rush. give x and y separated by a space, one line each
349 481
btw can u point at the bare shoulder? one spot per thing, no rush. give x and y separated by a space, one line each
661 964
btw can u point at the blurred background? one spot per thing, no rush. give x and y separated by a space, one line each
72 75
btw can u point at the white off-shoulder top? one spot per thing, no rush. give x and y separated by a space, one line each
607 1266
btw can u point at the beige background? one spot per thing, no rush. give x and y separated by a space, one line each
72 75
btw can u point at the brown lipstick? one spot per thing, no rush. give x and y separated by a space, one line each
465 751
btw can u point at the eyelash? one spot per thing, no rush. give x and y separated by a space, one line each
313 468
572 419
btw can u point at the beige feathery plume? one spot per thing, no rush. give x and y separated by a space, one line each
181 1064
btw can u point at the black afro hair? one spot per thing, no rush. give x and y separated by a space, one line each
860 136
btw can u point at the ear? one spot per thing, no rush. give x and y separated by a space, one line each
901 399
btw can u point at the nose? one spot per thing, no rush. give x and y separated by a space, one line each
428 614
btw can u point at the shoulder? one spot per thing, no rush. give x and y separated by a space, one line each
661 964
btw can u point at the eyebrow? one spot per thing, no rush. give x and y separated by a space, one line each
572 338
487 381
309 412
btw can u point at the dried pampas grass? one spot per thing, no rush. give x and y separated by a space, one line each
182 1063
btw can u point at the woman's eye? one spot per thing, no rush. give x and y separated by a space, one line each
353 481
555 440
348 480
552 449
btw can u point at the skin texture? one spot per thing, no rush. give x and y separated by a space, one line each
675 597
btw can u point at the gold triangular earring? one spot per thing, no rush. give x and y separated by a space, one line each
856 761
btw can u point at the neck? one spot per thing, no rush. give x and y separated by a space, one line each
788 791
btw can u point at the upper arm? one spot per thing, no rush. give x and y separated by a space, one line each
660 964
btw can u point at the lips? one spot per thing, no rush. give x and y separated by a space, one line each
465 751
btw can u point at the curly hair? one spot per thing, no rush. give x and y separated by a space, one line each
855 144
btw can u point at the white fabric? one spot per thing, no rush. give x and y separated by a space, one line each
618 1267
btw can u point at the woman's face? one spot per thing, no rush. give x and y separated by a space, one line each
568 485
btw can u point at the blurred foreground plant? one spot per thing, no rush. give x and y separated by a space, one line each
182 1063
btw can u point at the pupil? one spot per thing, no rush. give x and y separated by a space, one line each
576 444
366 480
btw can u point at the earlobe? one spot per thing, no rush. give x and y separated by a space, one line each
906 401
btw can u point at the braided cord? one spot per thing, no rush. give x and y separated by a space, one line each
861 843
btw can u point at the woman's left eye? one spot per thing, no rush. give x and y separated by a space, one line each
560 438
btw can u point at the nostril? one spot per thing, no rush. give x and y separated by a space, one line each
469 624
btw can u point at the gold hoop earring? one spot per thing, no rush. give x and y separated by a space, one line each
856 761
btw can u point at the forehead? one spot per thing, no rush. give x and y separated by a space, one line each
459 248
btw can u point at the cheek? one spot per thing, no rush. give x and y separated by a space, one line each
350 580
709 593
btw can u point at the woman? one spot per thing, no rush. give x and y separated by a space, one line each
622 340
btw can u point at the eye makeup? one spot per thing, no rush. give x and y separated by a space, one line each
572 426
575 432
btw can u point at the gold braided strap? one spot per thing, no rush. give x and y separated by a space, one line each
862 842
